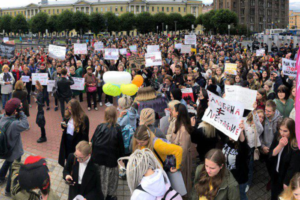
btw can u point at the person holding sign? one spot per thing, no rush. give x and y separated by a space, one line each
91 85
43 69
26 72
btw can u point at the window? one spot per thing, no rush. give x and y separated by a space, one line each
167 9
105 9
152 8
101 9
184 9
57 11
96 9
111 9
147 8
82 9
179 9
116 9
62 10
172 9
92 9
49 12
163 9
121 9
53 11
157 9
87 9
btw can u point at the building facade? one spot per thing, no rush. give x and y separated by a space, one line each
294 20
207 8
258 15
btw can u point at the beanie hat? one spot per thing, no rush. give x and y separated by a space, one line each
147 116
34 174
12 105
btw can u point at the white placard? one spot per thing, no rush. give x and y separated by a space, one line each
224 115
231 68
133 48
25 79
57 52
111 54
5 39
98 46
41 77
50 85
80 48
153 59
190 39
245 96
178 46
78 84
123 51
289 67
152 48
186 48
260 52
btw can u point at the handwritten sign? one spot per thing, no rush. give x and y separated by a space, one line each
78 84
187 92
50 85
80 48
245 96
41 77
25 79
230 68
123 51
57 52
152 48
111 54
153 59
289 67
133 48
190 39
186 48
98 46
224 115
260 52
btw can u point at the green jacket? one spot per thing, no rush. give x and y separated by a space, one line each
229 189
284 109
20 194
79 72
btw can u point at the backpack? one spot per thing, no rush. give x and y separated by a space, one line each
4 148
127 133
170 160
170 194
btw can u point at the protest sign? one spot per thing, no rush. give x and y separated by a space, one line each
111 54
187 92
41 77
178 46
50 85
5 39
78 84
230 68
57 52
7 50
186 48
245 96
190 39
139 62
80 48
123 51
98 46
297 99
153 59
133 48
152 48
25 79
224 115
260 52
289 67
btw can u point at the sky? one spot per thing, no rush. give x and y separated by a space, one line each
294 4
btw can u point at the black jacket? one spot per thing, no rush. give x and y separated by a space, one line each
40 117
77 137
91 184
63 87
107 145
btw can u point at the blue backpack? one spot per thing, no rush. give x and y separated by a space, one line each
127 133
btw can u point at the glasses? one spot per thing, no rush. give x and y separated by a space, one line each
81 159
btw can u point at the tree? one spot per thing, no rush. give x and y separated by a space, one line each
111 22
19 23
188 20
199 19
81 21
127 21
97 23
222 19
65 21
160 18
171 21
39 23
52 23
6 23
144 22
206 21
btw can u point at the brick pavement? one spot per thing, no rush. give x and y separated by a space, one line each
50 150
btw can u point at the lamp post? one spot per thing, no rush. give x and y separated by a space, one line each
175 26
157 29
80 35
229 30
20 40
167 29
264 26
162 28
193 28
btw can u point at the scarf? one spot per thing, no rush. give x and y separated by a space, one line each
7 77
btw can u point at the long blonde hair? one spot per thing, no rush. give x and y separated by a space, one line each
110 116
209 130
294 184
145 134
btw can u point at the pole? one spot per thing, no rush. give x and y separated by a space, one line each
175 27
162 28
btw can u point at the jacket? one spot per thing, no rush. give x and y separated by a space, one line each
6 89
284 109
271 95
107 145
91 183
229 188
130 118
22 95
13 133
40 117
82 134
63 87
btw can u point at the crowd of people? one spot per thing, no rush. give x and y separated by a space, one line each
153 139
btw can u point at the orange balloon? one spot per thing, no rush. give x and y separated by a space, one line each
138 80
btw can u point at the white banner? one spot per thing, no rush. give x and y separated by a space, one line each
152 48
260 52
245 96
190 39
78 84
123 51
50 85
80 48
153 59
57 52
111 54
224 115
25 79
133 48
5 39
178 46
98 46
186 48
41 77
289 67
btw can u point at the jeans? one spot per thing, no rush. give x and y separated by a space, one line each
243 195
99 92
62 105
89 94
5 98
3 171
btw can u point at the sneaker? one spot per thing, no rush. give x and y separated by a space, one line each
109 104
48 108
106 104
89 108
7 194
247 188
41 140
100 104
96 108
56 108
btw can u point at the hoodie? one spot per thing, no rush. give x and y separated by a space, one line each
130 118
154 186
270 129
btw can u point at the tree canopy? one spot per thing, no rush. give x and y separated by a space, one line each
39 23
19 23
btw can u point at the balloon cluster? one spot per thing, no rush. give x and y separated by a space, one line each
120 82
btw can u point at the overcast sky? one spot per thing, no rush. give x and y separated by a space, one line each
294 4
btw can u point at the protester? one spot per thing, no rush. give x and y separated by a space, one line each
91 83
283 103
43 69
147 118
6 80
293 191
40 117
21 93
26 72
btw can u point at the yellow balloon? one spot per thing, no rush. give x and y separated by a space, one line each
111 90
129 89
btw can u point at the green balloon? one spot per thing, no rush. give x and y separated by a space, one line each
111 90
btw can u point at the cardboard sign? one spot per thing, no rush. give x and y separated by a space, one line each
260 52
152 48
111 54
153 59
57 52
78 84
187 92
190 39
133 48
186 48
98 46
224 115
289 67
25 79
245 96
230 68
178 46
41 77
80 48
123 51
50 85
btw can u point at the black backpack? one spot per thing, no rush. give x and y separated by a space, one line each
4 148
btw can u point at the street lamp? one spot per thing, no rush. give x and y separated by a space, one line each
157 29
20 40
167 28
175 26
162 28
193 28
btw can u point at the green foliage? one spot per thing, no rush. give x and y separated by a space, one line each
199 19
127 22
111 22
97 22
65 21
81 21
207 22
240 29
19 23
52 23
160 18
144 22
188 20
222 18
6 23
38 23
171 22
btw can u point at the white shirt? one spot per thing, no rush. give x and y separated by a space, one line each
70 127
82 167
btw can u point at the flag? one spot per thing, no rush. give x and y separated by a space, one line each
297 99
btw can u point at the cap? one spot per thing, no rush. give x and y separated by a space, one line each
12 105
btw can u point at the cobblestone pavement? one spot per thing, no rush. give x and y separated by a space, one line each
50 150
